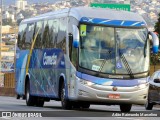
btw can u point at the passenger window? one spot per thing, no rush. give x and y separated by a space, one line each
45 37
29 35
38 42
61 40
53 33
21 35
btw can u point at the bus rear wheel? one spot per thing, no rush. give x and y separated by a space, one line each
30 100
39 102
125 107
18 96
85 105
66 104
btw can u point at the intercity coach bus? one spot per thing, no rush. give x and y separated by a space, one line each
82 56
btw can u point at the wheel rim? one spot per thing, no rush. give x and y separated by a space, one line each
63 96
27 94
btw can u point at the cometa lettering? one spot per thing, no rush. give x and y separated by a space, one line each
50 59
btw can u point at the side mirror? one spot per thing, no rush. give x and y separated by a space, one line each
75 36
155 41
157 80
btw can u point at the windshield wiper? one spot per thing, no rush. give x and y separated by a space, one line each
104 61
128 68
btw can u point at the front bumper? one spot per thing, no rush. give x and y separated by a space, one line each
100 94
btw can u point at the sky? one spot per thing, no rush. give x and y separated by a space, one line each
10 2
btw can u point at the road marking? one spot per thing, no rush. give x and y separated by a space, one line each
126 118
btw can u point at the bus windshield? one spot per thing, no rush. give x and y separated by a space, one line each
113 50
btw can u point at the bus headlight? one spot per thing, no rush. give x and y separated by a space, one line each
88 83
141 86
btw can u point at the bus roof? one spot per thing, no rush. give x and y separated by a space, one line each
89 12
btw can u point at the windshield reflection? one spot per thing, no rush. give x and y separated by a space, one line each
130 43
101 49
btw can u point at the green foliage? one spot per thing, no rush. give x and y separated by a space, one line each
157 26
27 13
155 59
7 22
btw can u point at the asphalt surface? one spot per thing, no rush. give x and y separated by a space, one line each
11 108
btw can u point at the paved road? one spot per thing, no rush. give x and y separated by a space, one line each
53 109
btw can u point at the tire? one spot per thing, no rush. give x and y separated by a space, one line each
85 105
76 106
39 102
66 104
23 97
125 107
18 96
148 105
30 100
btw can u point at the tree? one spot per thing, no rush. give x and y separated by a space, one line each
156 59
27 13
7 22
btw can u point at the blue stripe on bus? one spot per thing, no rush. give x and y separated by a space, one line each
113 22
111 82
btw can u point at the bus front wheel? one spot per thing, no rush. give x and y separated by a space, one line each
148 105
18 96
125 107
66 104
86 106
39 102
30 100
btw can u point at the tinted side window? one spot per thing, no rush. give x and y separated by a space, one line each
45 37
55 32
21 35
29 35
61 40
38 31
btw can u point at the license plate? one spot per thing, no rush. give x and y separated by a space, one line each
114 96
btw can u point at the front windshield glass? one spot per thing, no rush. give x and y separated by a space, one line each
113 50
97 48
132 55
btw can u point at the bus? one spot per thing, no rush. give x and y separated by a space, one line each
82 56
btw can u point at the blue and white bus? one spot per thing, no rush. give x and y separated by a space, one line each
82 56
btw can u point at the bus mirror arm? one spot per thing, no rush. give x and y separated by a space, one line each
75 36
155 41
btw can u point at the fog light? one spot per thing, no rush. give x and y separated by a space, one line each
141 86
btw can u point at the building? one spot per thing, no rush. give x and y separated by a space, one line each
9 29
21 4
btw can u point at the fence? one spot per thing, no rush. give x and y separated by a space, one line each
7 84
